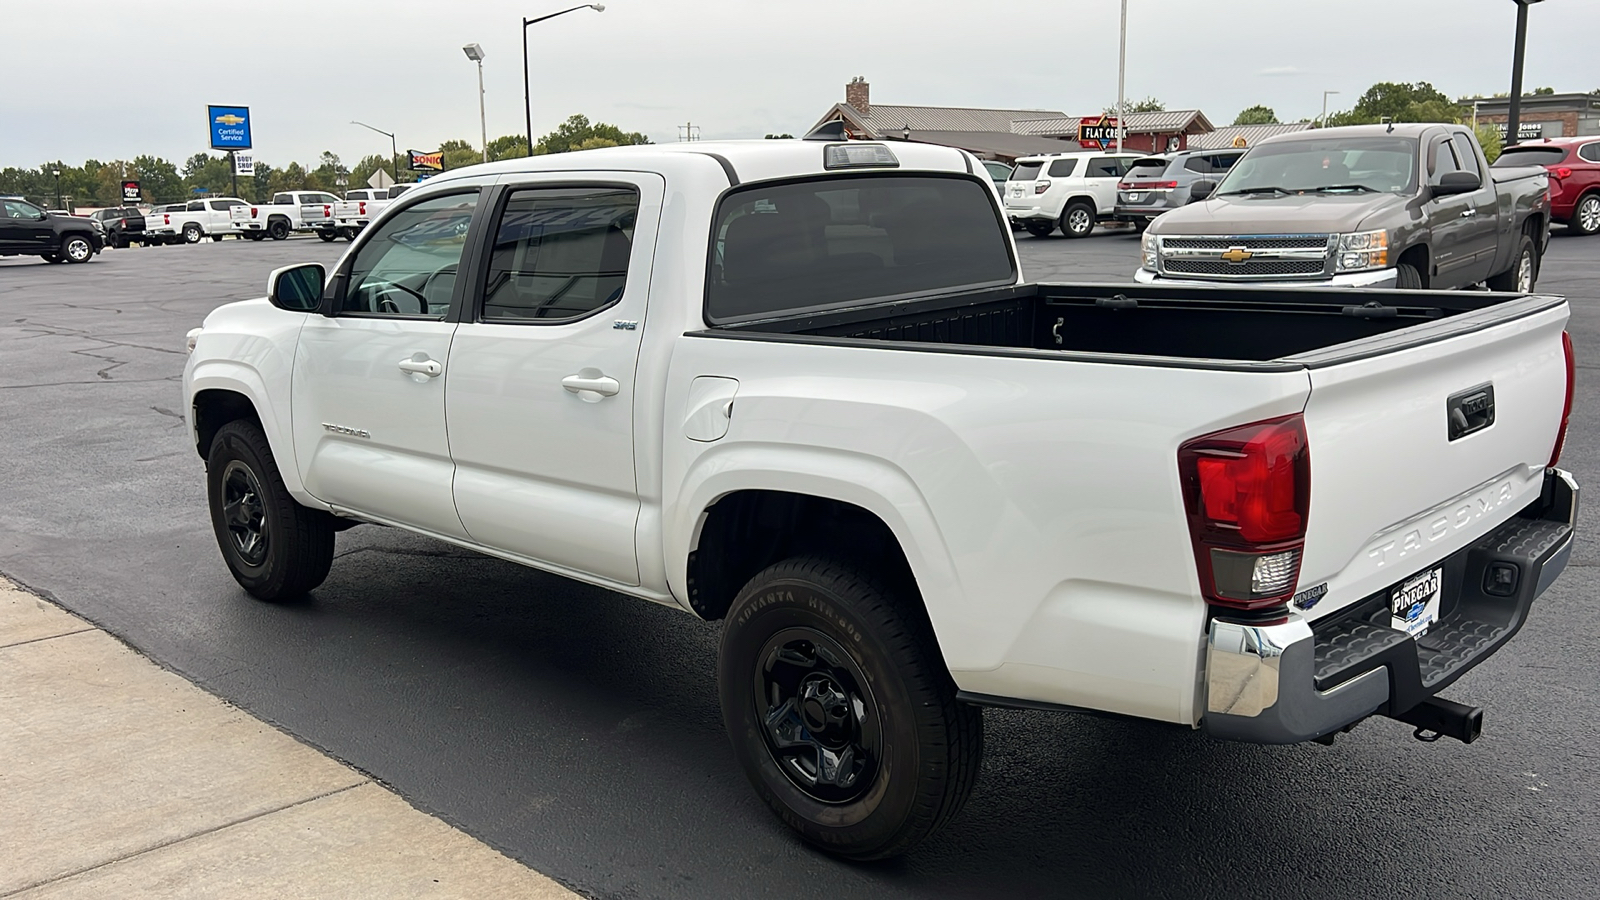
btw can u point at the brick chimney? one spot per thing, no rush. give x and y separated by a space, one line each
856 93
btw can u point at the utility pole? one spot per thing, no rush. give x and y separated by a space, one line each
1514 115
688 132
527 90
1122 73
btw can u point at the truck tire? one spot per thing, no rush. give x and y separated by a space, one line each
254 235
216 239
1524 270
329 236
275 548
1407 278
841 711
192 233
1586 215
1038 227
75 248
278 229
50 258
1077 220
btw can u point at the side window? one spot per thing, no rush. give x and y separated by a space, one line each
1441 158
1465 154
1106 167
195 206
1200 165
1062 168
1590 152
408 267
323 198
17 209
1222 162
560 253
282 199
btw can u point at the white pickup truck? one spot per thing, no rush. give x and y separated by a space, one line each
362 205
190 222
289 211
799 386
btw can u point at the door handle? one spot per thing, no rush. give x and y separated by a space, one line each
592 380
1469 213
420 364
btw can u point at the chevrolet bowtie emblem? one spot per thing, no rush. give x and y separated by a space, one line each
230 119
1237 255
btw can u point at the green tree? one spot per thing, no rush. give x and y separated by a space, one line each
1489 139
509 146
460 153
1543 90
780 137
158 179
1399 102
1256 115
577 131
1148 104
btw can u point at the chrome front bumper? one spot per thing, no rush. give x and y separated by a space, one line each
1262 676
1378 278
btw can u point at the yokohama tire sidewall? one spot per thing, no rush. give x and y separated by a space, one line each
876 817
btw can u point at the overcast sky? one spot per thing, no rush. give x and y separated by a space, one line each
111 79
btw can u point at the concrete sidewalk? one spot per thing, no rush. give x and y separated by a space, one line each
120 779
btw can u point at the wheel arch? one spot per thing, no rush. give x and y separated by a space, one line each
1419 257
1087 199
223 391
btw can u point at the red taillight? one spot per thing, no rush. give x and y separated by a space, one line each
1566 408
363 207
1040 187
252 212
1563 172
1247 491
1146 185
166 219
1123 185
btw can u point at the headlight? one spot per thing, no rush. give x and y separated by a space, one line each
1363 250
1147 246
192 338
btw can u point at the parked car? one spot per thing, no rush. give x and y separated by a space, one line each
1070 191
28 230
1156 184
1000 173
192 221
819 403
358 207
1574 167
1408 206
289 211
124 225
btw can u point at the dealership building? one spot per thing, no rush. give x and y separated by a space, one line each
1543 115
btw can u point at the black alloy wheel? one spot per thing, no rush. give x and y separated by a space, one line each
278 229
244 513
274 547
820 720
841 710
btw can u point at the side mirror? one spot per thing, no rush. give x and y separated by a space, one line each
1456 183
297 288
1201 190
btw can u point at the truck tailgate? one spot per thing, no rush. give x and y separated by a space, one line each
1394 486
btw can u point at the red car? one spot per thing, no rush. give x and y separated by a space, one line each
1574 166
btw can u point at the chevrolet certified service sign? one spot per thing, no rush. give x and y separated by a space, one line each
230 127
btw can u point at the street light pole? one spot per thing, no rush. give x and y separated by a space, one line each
1122 72
527 97
1323 122
475 53
394 149
57 174
1514 114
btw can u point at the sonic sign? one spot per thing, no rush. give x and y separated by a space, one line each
1097 133
427 162
230 127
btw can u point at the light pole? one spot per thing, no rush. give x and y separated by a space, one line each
475 53
57 174
1514 114
1122 72
1323 122
527 99
394 149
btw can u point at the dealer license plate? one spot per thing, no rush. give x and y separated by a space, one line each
1415 603
1134 196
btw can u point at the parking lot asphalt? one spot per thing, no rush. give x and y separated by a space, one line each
578 731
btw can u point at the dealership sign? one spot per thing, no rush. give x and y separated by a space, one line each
427 162
1526 131
244 164
230 127
1097 133
130 191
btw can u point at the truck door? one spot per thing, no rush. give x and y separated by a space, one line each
1101 177
1481 234
1451 222
368 386
540 397
24 228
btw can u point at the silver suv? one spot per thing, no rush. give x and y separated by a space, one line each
1156 184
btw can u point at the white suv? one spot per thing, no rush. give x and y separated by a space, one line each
1069 190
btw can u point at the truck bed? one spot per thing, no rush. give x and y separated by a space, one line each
1234 324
